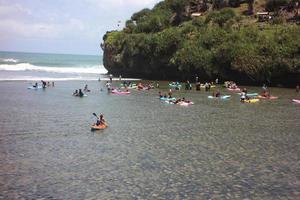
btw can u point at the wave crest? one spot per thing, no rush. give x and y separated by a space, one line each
10 60
70 70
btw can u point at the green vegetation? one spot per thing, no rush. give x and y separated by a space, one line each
167 43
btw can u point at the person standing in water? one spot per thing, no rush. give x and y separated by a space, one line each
86 89
80 93
108 86
44 83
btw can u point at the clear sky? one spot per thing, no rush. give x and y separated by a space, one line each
62 26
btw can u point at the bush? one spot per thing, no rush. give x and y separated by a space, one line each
221 17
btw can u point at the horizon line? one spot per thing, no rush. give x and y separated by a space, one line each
74 54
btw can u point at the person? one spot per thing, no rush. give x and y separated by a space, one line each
245 90
218 94
80 93
160 95
187 85
110 78
297 88
100 120
264 87
35 85
197 79
75 93
53 84
86 88
157 84
265 93
177 101
206 87
120 78
184 100
217 81
170 92
243 97
44 83
140 86
198 86
108 86
233 85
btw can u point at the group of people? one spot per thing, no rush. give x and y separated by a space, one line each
171 99
165 95
265 93
230 84
141 86
78 93
44 84
188 86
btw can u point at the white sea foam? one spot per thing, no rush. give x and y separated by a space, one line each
10 60
79 78
38 78
71 70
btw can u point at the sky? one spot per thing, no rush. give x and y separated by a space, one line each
63 26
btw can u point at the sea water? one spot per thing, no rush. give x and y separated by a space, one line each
42 66
214 149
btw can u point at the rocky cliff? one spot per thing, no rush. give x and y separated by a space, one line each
178 39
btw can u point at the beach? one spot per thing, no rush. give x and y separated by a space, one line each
214 149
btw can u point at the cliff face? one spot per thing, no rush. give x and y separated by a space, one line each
167 43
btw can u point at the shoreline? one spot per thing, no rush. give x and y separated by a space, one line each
126 79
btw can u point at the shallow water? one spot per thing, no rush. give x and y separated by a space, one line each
215 149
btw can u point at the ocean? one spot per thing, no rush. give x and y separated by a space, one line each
43 66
